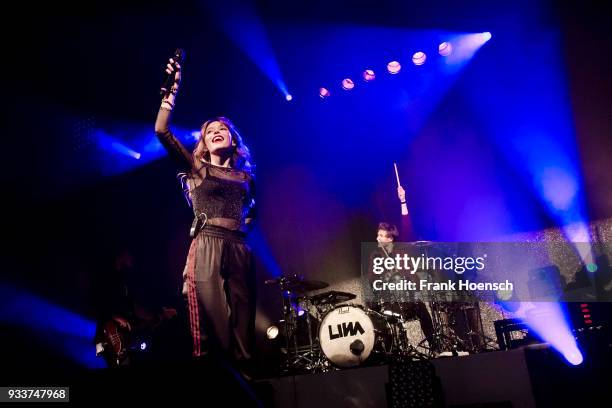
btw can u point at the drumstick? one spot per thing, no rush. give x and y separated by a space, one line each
396 174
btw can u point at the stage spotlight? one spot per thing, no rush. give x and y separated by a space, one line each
323 93
368 75
272 332
445 49
118 147
288 97
506 300
504 295
419 58
575 357
347 84
394 67
486 36
143 346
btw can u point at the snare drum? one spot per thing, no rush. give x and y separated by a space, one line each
350 334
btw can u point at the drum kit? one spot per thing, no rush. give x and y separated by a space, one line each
325 332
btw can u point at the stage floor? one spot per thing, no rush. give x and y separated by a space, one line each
514 378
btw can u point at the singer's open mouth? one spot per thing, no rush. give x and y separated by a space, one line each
217 139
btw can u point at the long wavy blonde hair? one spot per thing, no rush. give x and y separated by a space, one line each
241 157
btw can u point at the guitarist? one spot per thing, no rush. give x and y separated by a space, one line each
119 317
117 334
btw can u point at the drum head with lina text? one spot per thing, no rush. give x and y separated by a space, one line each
347 336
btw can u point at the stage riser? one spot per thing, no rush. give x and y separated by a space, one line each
522 378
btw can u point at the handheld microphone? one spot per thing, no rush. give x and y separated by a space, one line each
178 57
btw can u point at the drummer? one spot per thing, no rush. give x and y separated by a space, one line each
386 235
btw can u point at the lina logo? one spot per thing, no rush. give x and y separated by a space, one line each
345 330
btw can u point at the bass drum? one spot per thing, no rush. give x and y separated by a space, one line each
350 334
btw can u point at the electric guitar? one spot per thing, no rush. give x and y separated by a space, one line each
120 340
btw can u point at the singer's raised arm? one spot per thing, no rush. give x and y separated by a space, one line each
162 123
174 147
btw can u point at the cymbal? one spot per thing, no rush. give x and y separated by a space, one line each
305 285
332 297
297 283
421 244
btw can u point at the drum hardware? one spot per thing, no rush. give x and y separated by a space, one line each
349 334
444 337
297 283
298 358
476 340
331 297
332 334
326 301
401 345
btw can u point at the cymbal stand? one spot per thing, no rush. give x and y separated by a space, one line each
445 338
298 359
483 341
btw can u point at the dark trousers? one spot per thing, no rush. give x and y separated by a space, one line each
221 294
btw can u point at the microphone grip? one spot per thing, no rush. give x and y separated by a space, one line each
179 56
